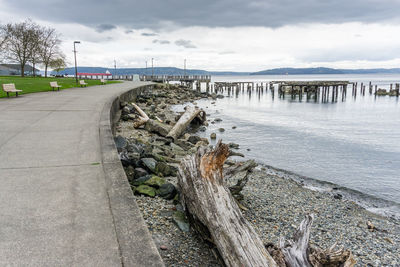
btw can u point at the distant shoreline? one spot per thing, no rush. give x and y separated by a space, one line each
277 71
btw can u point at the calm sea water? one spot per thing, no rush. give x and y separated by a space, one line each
354 144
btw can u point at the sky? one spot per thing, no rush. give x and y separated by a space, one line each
221 35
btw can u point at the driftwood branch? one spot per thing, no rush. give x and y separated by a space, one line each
215 214
190 114
298 252
143 118
237 176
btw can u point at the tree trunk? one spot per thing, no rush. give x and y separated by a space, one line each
184 121
207 199
22 70
216 215
45 70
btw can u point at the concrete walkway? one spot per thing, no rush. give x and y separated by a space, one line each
55 207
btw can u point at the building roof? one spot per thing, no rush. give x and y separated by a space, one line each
93 74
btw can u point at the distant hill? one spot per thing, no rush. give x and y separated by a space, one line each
320 70
144 71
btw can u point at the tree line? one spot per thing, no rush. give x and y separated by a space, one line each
28 42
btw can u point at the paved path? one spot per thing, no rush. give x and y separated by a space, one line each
54 205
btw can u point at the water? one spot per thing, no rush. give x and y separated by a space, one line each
354 144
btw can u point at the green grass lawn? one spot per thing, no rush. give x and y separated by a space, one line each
40 84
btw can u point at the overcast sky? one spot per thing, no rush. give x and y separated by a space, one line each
237 35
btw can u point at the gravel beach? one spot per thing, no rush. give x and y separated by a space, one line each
276 206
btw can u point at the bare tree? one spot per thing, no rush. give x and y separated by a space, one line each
49 48
4 35
21 42
58 64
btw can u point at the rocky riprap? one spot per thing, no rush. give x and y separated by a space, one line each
151 160
275 205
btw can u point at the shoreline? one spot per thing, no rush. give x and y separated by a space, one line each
364 200
271 214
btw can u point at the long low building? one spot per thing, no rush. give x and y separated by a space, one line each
87 75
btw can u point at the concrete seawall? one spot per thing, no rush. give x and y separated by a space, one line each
130 227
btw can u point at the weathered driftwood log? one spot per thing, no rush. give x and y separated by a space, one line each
217 217
210 202
143 118
190 114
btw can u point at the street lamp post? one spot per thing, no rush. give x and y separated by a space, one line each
76 67
184 68
115 67
152 68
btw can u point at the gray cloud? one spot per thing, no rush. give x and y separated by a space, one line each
105 27
160 41
227 13
185 43
129 31
149 34
351 53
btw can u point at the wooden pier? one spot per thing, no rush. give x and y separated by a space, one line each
325 91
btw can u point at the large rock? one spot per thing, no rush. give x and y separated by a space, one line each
181 221
126 110
150 164
139 172
183 144
129 159
167 191
141 180
145 190
128 117
155 181
157 127
120 142
163 169
130 173
135 148
194 139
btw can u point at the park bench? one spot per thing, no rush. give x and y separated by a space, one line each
54 85
10 88
102 81
82 83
